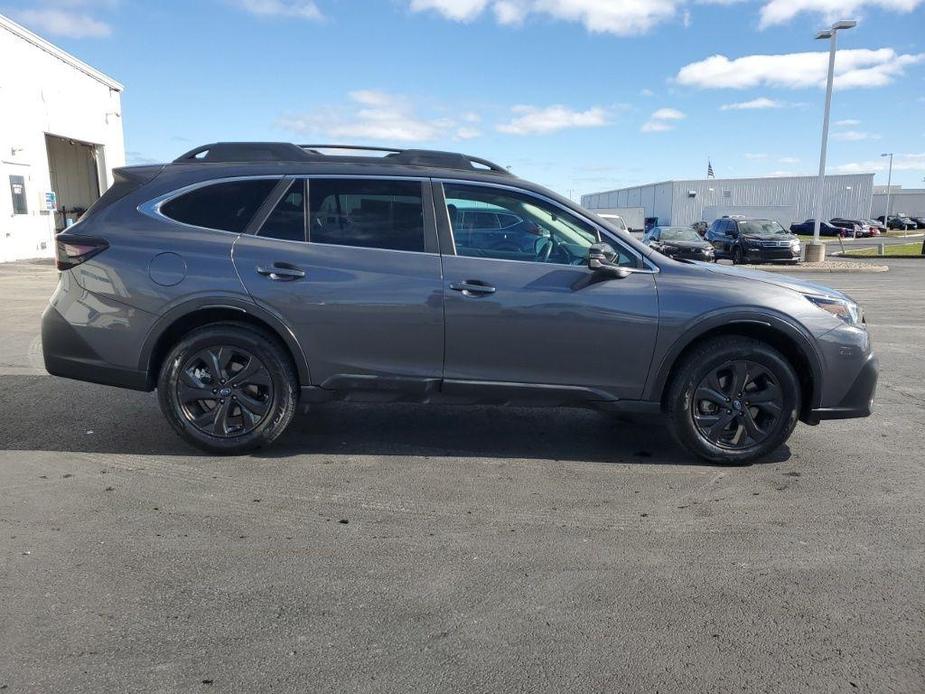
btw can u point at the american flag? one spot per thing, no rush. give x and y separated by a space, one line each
710 173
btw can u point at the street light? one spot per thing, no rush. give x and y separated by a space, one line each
889 182
832 35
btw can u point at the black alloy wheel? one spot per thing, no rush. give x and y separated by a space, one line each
737 258
733 399
737 405
228 388
224 391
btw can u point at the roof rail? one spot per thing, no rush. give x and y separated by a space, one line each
228 152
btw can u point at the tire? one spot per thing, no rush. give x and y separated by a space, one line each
737 258
247 409
691 416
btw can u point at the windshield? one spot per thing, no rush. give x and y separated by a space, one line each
678 234
761 226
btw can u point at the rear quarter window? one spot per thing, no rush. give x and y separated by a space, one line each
226 206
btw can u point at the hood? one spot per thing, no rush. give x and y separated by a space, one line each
687 244
784 281
768 237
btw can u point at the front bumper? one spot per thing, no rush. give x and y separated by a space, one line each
858 401
772 254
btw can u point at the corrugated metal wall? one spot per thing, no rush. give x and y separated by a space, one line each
847 196
906 201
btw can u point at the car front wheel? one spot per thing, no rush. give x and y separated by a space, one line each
228 388
732 400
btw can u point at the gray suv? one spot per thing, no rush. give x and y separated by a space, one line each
245 280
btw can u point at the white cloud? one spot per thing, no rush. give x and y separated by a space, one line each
901 162
761 102
75 25
534 120
788 160
859 67
647 92
299 9
782 11
854 136
847 123
598 16
375 115
662 120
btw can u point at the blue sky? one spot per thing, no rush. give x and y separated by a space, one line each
580 95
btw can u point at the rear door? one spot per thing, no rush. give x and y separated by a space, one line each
351 264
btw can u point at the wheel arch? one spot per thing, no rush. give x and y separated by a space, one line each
189 316
788 339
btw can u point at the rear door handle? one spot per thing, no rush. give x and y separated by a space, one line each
282 272
472 287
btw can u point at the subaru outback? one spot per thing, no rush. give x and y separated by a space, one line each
246 281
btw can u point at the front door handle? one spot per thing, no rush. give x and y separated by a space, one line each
470 287
282 272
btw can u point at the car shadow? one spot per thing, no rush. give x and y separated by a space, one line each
54 414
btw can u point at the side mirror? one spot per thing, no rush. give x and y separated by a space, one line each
602 259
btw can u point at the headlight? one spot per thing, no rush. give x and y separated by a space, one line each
847 311
795 244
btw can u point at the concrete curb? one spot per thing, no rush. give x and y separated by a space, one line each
820 267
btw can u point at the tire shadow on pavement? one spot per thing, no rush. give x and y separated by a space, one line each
54 414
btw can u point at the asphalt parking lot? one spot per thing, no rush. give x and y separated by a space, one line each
415 548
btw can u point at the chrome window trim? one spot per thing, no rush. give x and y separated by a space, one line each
152 208
651 270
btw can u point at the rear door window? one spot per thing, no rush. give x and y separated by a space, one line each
387 214
227 206
287 220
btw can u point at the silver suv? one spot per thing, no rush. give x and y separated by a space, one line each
244 280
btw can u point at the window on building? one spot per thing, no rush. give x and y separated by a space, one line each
367 213
227 206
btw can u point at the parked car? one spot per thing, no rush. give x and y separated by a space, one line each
861 228
807 228
920 221
679 243
899 222
874 224
747 240
246 280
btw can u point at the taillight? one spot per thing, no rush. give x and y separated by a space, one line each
72 249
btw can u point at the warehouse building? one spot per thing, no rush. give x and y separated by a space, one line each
60 138
786 199
908 201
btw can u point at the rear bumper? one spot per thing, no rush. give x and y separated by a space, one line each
68 355
858 401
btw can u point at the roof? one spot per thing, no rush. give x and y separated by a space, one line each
64 56
675 181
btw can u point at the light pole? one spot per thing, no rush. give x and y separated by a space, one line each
816 251
889 182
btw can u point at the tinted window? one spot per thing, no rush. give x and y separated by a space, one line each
287 220
367 213
543 232
227 206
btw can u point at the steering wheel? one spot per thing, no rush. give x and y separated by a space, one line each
544 248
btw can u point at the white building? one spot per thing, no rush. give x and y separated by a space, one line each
786 199
60 137
909 201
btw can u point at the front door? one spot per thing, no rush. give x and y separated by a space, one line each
522 307
352 267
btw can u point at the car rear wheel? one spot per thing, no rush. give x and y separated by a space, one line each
732 400
228 388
